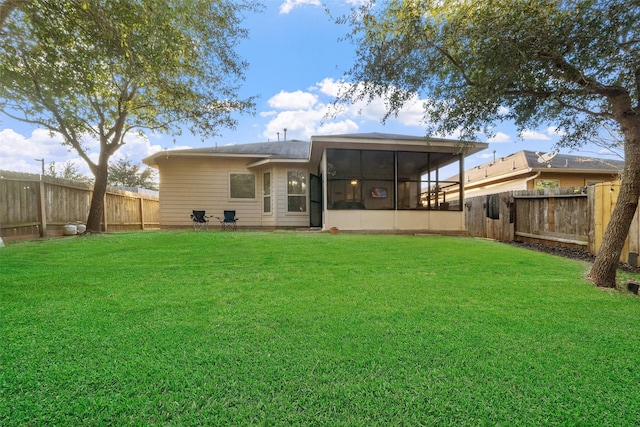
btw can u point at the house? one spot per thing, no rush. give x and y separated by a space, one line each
529 170
370 181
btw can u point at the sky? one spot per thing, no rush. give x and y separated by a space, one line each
296 60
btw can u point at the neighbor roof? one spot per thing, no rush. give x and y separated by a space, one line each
535 160
530 162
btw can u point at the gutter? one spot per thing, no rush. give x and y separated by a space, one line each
492 180
531 178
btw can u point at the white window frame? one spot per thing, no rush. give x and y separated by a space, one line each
231 173
269 195
305 194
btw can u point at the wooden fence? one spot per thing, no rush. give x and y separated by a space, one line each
32 207
573 217
605 197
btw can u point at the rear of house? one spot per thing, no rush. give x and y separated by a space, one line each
351 182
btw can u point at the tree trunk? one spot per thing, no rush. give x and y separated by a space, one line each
603 270
96 212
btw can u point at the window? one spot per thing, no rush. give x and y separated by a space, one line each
296 191
359 179
242 186
546 183
266 192
376 179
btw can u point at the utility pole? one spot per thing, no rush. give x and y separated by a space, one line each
42 163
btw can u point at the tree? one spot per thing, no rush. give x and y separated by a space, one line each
70 171
125 174
99 70
574 63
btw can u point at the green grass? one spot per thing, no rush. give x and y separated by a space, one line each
251 328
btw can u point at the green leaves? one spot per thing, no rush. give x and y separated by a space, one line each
126 174
104 68
548 61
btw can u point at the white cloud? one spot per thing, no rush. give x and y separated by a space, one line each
555 131
532 135
17 151
300 124
412 113
330 87
499 137
293 100
288 5
503 111
338 128
311 112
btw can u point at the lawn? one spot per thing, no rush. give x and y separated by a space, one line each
251 328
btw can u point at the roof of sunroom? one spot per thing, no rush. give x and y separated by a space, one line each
395 142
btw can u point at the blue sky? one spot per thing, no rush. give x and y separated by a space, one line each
295 63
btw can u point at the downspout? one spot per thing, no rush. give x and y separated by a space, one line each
526 181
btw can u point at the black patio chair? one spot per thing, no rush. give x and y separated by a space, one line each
200 220
228 221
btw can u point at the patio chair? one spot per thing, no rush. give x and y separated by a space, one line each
200 220
228 221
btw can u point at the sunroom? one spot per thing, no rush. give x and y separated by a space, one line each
391 182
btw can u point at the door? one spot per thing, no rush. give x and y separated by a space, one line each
315 201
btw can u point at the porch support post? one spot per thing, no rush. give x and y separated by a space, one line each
462 180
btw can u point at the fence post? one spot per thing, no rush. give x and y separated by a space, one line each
141 201
104 211
42 208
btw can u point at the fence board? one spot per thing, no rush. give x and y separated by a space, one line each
550 216
65 202
606 196
575 217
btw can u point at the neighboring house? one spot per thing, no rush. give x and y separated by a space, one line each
529 170
368 181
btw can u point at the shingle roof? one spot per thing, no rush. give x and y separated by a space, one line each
292 149
378 135
278 149
565 161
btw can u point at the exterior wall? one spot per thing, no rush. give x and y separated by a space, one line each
188 184
389 220
571 179
514 185
451 221
283 218
528 183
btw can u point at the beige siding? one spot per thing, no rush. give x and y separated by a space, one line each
268 218
283 217
449 221
203 184
572 179
513 185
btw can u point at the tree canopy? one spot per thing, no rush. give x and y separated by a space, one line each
124 173
574 64
99 70
70 171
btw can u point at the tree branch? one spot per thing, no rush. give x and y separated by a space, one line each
570 73
68 132
447 55
6 7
